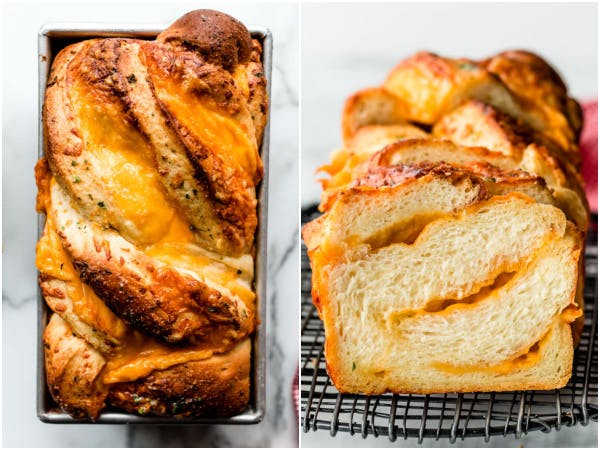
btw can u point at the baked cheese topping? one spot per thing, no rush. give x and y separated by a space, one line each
139 355
213 128
124 161
124 166
134 189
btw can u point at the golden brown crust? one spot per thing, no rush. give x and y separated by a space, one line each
149 190
531 77
218 386
389 176
175 309
476 123
219 38
230 186
257 84
156 298
216 194
479 124
73 369
432 86
521 129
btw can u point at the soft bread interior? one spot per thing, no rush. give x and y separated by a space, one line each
373 215
452 257
388 324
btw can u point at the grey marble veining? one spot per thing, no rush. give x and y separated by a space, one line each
21 428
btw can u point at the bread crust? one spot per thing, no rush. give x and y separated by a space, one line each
502 130
218 37
224 208
433 86
73 369
217 386
329 311
149 190
149 295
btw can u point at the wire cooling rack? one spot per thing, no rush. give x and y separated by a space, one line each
449 416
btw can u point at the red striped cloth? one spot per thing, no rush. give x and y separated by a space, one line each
295 394
589 152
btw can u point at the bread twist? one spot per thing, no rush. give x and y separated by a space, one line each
449 257
149 189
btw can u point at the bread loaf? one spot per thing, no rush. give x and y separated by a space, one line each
149 189
448 257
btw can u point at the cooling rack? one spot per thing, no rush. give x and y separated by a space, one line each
449 416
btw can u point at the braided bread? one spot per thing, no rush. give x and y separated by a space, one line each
449 254
149 189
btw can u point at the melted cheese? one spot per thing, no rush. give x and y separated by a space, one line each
124 161
525 361
135 189
52 259
141 355
216 131
125 169
183 257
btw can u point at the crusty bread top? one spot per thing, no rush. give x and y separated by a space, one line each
219 38
374 106
149 188
432 86
190 118
452 265
534 78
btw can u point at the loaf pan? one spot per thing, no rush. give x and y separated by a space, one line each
51 39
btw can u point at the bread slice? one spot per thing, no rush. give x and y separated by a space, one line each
427 283
566 194
478 124
364 142
373 106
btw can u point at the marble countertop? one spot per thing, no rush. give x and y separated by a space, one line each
21 427
350 47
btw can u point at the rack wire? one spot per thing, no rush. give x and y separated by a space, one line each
449 416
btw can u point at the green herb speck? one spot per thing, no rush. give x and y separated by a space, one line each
468 66
353 366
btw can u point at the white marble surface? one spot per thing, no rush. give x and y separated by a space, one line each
21 428
346 48
349 47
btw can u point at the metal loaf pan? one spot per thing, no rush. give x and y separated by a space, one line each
51 39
